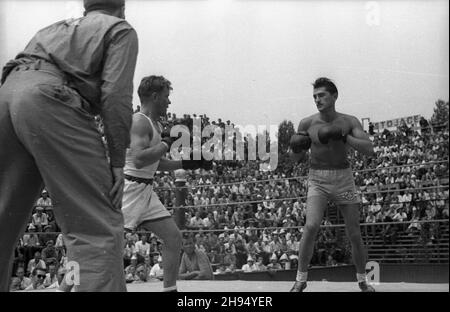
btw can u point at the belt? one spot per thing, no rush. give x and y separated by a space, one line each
139 180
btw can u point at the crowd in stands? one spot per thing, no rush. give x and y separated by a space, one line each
243 218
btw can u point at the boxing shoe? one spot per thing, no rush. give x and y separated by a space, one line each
365 287
298 287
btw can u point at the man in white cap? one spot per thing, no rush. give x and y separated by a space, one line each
250 266
68 73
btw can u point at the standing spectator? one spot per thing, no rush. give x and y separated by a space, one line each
20 281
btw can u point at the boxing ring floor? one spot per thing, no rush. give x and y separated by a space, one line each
276 286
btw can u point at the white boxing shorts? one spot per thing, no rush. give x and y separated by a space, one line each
140 203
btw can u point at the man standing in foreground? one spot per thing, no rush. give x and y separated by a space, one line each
69 72
329 134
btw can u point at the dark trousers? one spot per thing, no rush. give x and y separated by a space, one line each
46 137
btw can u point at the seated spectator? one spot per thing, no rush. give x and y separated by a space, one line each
250 266
284 262
51 277
142 248
44 201
130 271
37 279
156 272
294 261
20 281
31 242
39 219
194 263
49 253
37 262
141 274
331 261
274 265
61 273
260 264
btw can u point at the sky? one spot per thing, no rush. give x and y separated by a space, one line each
253 61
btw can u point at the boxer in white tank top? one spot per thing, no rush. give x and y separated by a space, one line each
141 206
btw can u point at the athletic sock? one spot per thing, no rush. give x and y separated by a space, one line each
302 276
361 277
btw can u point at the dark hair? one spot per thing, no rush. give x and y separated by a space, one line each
34 272
326 83
152 84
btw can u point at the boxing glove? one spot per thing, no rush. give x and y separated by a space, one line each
166 138
331 132
300 142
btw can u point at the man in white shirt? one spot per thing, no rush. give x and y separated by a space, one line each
142 247
250 266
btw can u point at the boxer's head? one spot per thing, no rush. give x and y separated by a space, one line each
154 94
112 7
325 93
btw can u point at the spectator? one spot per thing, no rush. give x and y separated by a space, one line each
37 279
260 264
49 253
39 219
51 277
142 248
141 275
20 281
250 266
157 272
44 201
274 265
37 262
194 263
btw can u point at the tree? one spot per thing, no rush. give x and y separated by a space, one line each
439 120
285 131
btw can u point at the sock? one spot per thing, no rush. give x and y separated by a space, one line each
301 276
171 288
361 277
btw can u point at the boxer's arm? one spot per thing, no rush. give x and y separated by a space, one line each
358 139
140 135
169 165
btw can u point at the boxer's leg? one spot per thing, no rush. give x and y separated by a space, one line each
168 232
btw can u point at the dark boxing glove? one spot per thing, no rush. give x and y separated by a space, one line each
331 132
166 138
300 142
196 164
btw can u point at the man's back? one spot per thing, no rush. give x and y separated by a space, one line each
78 47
